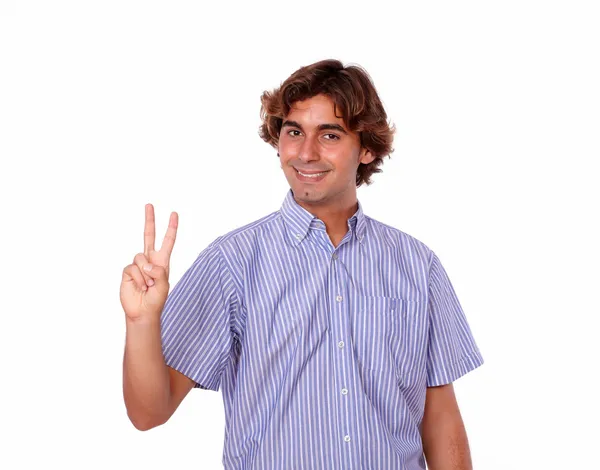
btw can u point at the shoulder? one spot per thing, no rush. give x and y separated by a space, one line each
398 239
244 237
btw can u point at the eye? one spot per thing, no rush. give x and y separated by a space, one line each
293 130
335 137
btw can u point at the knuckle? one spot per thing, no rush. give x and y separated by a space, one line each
139 258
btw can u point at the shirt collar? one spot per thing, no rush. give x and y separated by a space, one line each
299 221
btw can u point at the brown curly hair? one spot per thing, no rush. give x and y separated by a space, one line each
351 90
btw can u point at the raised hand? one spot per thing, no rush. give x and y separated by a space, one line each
143 293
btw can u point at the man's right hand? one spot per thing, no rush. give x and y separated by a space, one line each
144 293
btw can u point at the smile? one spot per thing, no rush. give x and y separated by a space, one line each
311 177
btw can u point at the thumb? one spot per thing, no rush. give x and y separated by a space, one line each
157 273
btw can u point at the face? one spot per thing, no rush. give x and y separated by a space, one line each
319 155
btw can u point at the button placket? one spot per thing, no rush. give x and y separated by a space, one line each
339 287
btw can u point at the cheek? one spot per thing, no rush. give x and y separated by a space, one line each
343 161
287 145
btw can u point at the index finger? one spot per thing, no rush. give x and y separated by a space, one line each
169 240
149 230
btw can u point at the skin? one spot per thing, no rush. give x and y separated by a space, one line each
445 442
303 144
143 295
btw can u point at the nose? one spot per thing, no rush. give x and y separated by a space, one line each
309 151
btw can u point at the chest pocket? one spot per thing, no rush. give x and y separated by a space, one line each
389 335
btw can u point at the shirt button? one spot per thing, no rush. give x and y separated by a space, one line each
298 236
335 256
344 391
341 344
347 438
339 298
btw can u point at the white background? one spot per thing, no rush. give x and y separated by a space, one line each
106 106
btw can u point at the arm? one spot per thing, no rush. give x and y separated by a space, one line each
444 436
152 391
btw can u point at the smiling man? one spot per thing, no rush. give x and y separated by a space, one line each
334 337
320 158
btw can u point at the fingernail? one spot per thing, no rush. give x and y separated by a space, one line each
147 267
150 282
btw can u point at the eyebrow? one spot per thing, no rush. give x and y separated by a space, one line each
320 127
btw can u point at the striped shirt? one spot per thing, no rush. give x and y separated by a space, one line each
323 354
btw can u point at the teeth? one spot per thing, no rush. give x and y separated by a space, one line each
312 176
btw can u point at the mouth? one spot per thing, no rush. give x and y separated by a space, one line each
311 174
311 177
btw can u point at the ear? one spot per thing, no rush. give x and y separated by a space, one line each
366 156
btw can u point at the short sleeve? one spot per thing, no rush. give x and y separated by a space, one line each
195 322
452 351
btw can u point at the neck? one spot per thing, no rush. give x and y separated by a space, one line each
334 217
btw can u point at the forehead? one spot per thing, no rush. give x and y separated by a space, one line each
319 108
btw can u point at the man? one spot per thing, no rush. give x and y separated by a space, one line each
335 338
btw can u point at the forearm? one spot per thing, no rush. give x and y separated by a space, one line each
146 387
445 442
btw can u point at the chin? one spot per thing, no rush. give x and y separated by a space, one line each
308 194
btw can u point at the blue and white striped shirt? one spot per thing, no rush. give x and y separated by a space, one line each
323 353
